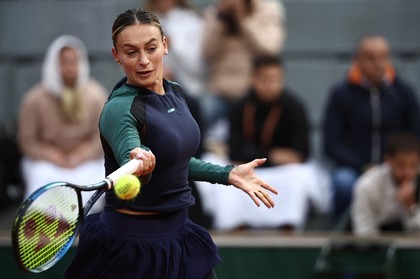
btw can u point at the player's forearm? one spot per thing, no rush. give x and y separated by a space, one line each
205 171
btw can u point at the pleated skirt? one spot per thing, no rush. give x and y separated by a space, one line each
115 245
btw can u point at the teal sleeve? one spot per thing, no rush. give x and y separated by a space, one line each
205 171
119 128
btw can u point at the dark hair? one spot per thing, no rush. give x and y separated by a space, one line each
132 17
402 143
267 60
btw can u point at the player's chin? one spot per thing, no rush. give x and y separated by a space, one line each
136 80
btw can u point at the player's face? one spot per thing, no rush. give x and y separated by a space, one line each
69 66
373 58
268 82
404 166
140 49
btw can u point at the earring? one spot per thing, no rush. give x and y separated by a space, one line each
118 61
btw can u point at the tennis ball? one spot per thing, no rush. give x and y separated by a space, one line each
127 187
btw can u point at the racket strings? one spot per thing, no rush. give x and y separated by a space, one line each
48 224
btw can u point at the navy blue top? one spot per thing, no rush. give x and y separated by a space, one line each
134 117
137 117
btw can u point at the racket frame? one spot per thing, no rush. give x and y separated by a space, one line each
100 187
83 212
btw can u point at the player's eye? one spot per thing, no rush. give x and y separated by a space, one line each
151 49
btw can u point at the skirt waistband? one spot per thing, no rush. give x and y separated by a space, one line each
144 225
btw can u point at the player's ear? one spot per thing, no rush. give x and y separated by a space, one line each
165 45
115 55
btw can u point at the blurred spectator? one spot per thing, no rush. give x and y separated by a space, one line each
270 122
361 112
58 123
386 197
235 31
184 31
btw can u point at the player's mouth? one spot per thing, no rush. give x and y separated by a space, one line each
144 74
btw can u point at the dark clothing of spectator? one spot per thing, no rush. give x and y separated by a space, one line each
359 118
257 127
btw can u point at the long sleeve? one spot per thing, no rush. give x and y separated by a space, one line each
119 128
205 171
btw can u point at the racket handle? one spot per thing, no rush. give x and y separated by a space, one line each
129 168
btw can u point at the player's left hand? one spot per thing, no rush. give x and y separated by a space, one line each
244 178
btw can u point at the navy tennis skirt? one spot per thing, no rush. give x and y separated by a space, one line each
115 245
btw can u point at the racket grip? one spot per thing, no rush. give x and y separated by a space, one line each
129 168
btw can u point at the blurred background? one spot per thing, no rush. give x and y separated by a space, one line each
321 37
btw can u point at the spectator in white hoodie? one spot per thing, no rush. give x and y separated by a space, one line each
58 130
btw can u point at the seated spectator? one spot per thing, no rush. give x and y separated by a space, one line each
270 122
361 112
386 197
58 123
235 31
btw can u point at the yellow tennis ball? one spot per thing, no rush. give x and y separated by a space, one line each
127 187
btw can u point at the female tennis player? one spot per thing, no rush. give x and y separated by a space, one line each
146 117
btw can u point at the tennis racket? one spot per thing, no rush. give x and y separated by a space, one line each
48 221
